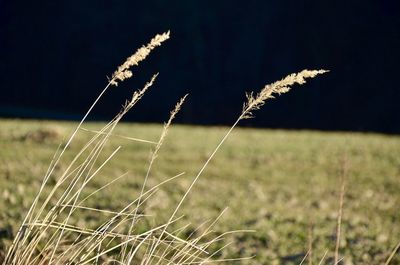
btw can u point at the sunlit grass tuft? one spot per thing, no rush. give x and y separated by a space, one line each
53 231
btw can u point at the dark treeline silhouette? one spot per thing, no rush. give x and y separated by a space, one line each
55 56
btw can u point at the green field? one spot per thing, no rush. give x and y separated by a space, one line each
276 182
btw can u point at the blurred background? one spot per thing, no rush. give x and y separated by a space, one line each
55 56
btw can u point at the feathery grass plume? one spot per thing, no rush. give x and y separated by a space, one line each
172 115
137 95
123 71
278 87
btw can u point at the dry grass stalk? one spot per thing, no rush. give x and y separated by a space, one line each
310 243
391 256
343 176
304 258
121 136
323 258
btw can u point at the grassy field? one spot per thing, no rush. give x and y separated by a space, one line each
282 184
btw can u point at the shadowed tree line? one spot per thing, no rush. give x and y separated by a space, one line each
55 56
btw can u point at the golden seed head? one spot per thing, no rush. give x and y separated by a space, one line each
278 87
123 72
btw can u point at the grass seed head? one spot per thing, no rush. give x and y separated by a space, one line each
123 72
278 87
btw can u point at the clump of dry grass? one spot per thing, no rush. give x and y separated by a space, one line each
47 234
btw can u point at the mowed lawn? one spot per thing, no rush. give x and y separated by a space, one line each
281 184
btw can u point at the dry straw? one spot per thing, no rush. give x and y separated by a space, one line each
42 237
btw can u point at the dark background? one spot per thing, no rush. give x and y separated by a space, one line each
55 56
